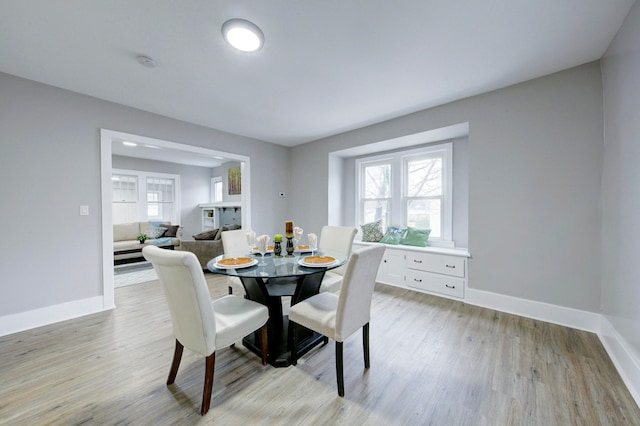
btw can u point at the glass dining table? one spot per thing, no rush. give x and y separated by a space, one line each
267 280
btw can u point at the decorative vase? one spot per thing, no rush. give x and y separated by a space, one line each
277 249
289 246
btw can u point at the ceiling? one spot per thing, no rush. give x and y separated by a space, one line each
327 66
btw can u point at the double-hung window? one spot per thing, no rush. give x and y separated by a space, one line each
375 198
408 188
139 196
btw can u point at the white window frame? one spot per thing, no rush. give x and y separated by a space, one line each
397 210
360 171
142 191
216 181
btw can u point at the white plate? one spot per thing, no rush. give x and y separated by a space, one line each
302 262
243 265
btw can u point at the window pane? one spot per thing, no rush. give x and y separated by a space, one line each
425 214
377 181
124 188
424 177
217 191
374 210
160 196
153 211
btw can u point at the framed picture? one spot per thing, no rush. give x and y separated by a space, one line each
235 187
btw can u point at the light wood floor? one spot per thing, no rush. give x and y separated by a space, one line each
433 361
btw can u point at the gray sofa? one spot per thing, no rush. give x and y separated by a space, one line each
124 236
206 245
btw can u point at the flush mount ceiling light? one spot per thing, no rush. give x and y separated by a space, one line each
243 35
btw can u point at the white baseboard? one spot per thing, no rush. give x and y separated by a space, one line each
22 321
626 361
569 317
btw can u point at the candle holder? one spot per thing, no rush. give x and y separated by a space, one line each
289 247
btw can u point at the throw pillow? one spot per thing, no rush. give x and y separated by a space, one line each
206 235
172 230
416 237
154 232
226 228
372 232
393 235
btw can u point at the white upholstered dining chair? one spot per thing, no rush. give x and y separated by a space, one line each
340 239
339 316
234 243
200 324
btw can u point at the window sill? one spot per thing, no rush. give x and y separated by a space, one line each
461 252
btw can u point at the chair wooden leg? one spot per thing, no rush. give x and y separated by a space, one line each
208 383
365 345
294 343
177 356
265 343
339 372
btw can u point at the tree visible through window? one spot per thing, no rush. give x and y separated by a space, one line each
376 191
424 192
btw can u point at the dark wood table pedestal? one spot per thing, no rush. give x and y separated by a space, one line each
269 292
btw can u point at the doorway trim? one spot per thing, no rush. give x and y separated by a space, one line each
107 137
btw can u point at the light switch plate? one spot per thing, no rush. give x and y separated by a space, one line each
84 210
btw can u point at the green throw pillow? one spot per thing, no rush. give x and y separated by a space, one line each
416 237
372 232
393 236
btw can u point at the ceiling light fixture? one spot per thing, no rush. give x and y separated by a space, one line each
243 35
125 143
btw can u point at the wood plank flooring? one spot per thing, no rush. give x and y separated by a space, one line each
434 361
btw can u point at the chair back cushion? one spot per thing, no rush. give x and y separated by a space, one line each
188 297
354 303
234 242
338 238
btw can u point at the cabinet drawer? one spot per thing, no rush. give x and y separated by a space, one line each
435 283
440 264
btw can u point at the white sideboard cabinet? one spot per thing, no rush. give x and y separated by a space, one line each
432 270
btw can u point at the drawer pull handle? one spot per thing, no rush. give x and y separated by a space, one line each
417 280
449 286
450 266
417 261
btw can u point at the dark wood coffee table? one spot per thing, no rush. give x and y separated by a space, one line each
135 248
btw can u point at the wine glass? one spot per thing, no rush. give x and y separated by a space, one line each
263 244
297 236
313 242
251 240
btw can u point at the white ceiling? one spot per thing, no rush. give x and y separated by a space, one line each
327 66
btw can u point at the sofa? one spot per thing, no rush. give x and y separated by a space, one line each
125 236
207 245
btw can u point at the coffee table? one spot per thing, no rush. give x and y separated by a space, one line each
135 248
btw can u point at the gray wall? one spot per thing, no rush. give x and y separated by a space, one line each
621 182
50 165
535 162
195 183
